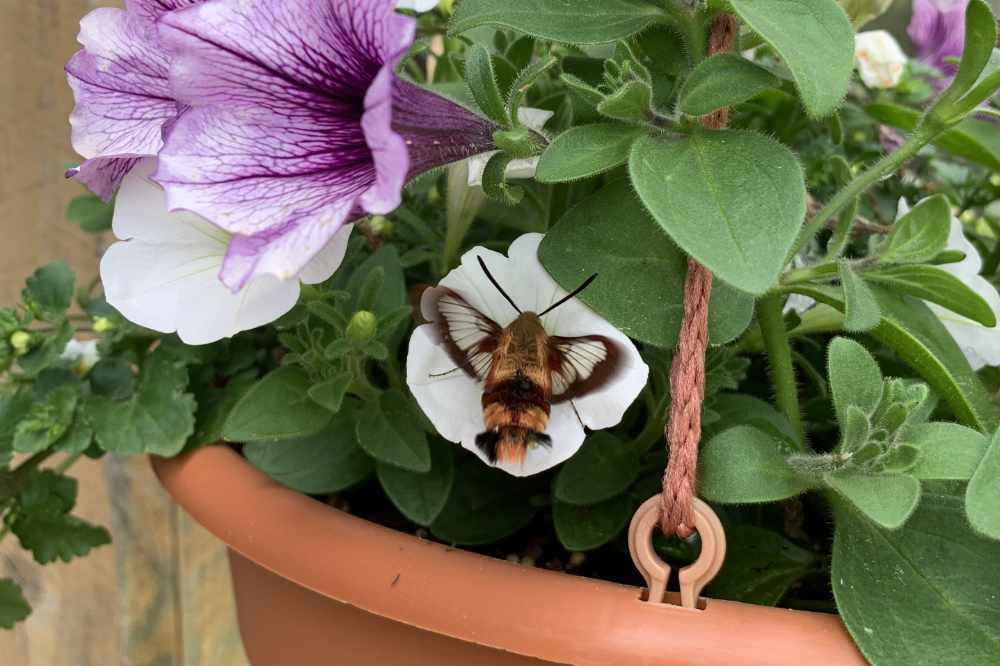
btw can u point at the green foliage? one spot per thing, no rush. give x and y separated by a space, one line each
855 378
815 40
967 89
723 80
46 421
921 234
90 213
604 467
559 20
389 433
921 594
745 465
13 607
885 499
277 407
861 311
948 451
581 528
482 81
586 151
49 292
936 285
982 497
420 496
157 419
328 461
484 505
760 567
733 200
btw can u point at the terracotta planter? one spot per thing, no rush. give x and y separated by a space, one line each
315 586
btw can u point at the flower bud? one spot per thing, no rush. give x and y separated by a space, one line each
363 326
21 342
879 58
103 325
380 226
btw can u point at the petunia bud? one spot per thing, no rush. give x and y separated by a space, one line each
21 342
103 325
879 58
363 326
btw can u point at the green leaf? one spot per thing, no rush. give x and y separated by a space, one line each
980 38
886 499
936 285
631 102
582 528
916 334
744 465
861 311
158 419
863 11
328 461
733 200
585 151
923 594
43 525
46 421
815 40
948 451
276 407
13 606
214 406
726 79
604 467
92 214
392 294
739 409
485 505
482 81
391 434
330 393
637 259
568 21
78 438
421 497
760 566
921 234
973 139
112 377
855 378
49 291
982 497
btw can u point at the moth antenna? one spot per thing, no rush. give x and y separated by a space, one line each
497 285
586 283
445 373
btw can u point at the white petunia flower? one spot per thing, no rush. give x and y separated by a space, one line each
82 354
418 6
980 344
164 273
452 399
879 58
533 119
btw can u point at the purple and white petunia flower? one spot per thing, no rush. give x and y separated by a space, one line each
298 123
123 98
937 29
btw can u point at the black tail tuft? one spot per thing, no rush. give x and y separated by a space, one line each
487 443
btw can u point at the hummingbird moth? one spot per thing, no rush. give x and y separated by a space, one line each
524 369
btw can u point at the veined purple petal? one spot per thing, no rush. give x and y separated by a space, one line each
937 29
297 123
123 99
152 10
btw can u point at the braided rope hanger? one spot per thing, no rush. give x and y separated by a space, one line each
687 373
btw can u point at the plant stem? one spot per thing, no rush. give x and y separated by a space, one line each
779 356
362 386
67 462
885 166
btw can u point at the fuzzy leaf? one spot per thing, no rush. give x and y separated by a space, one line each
392 435
982 497
482 81
936 285
604 467
485 505
760 566
276 407
328 461
921 234
559 20
815 40
585 151
948 451
581 528
973 139
855 378
886 499
638 259
421 496
861 312
923 594
726 79
747 465
329 394
980 38
733 200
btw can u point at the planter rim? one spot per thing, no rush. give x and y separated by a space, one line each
533 612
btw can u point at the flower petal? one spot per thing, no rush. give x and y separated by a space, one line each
119 81
324 264
419 6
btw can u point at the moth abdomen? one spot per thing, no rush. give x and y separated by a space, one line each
510 443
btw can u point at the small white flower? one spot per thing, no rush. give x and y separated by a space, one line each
533 119
419 6
163 274
981 345
452 400
82 354
879 58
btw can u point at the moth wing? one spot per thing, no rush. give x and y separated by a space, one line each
469 336
582 364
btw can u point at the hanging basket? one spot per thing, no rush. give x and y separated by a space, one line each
316 586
